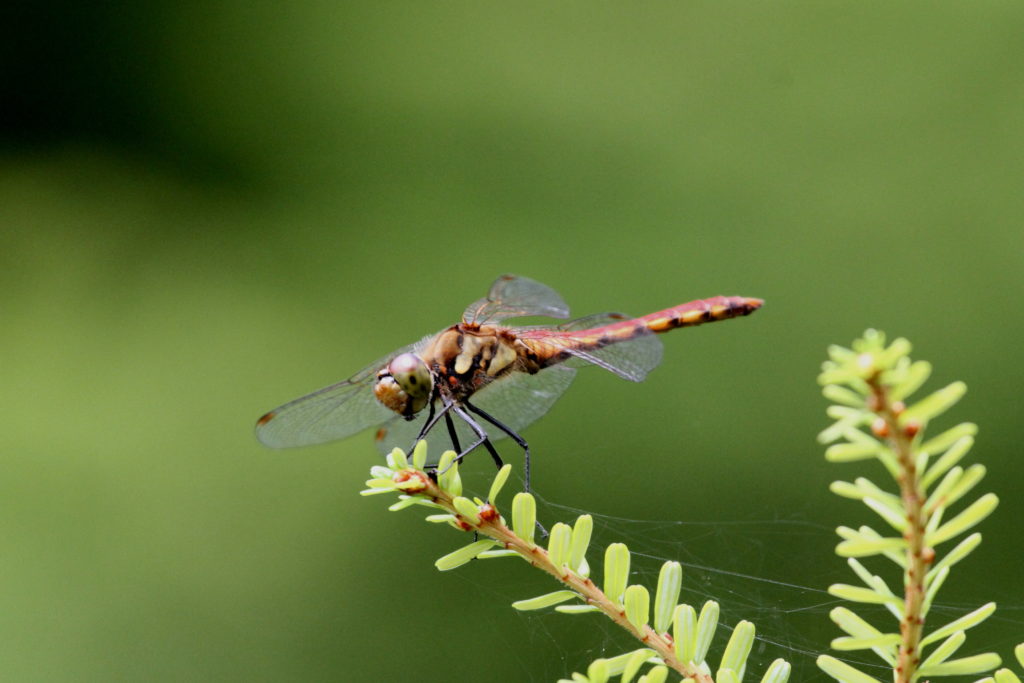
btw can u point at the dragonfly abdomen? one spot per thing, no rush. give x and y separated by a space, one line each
685 315
700 312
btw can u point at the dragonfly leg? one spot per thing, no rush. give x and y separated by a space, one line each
429 423
451 432
432 420
515 437
482 438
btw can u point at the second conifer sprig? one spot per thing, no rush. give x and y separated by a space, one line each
869 385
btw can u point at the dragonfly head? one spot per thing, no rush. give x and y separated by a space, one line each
404 385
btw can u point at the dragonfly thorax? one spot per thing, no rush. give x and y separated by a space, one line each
404 385
465 358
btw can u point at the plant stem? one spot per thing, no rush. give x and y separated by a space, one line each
901 438
495 528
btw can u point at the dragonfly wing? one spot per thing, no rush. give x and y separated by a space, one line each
329 414
630 359
517 400
520 399
512 296
401 433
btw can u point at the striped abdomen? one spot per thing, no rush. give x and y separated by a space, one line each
685 315
701 311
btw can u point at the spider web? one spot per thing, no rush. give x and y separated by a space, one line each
741 565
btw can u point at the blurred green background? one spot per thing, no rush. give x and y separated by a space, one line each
207 209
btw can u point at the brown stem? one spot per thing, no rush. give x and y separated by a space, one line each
491 525
900 438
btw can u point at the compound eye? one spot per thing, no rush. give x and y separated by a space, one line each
412 375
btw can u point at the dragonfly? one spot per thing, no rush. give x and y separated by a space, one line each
486 380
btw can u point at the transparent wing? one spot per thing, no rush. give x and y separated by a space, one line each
520 399
328 414
517 400
512 296
630 358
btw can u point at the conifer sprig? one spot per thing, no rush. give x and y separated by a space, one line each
868 385
672 636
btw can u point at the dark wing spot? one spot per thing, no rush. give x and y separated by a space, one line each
266 418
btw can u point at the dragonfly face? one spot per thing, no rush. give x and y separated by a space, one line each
405 385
